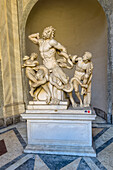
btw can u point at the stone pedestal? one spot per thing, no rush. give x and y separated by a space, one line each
64 132
41 105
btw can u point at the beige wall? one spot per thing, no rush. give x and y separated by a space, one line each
10 60
1 93
80 26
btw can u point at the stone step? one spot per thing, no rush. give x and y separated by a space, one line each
46 107
64 102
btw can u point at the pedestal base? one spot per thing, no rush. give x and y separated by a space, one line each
61 150
41 105
63 132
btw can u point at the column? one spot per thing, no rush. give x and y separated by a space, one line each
10 62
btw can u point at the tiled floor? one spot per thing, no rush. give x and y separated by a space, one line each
13 140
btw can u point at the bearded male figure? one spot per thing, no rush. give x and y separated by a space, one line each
48 48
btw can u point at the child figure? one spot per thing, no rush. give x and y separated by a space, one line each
82 77
37 75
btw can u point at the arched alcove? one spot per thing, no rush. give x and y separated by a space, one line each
80 26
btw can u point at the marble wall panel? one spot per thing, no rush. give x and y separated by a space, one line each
10 60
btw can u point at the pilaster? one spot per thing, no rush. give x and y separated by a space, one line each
10 61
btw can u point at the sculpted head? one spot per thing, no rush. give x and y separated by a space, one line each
48 33
87 56
33 56
26 58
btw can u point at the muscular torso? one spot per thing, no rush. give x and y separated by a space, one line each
48 54
82 68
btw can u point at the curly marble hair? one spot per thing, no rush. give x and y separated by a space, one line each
34 54
50 28
89 55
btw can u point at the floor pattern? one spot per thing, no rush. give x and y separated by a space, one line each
13 141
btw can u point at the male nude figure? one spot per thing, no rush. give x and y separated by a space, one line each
37 75
48 48
83 72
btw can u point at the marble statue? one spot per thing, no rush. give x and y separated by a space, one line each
49 119
83 73
37 75
50 74
48 48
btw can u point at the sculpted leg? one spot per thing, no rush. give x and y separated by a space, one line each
78 95
85 80
46 88
32 91
55 99
36 93
76 88
58 72
87 96
72 100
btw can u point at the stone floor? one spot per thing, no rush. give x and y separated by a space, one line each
13 140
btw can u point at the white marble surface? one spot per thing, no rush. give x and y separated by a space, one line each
62 115
62 102
56 132
61 150
11 142
107 159
47 107
104 159
18 163
75 133
42 105
104 137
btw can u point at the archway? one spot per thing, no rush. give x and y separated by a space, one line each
92 44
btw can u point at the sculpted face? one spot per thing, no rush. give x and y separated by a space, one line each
87 56
34 56
48 32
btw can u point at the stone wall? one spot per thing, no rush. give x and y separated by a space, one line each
108 8
1 99
10 62
14 14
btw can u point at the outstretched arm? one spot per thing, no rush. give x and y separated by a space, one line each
28 65
34 38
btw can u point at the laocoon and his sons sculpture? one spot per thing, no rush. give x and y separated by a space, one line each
41 76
